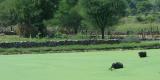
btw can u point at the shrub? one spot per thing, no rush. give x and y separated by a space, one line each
140 18
25 30
131 39
50 33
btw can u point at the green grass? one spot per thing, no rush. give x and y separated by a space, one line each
80 48
136 27
16 38
81 66
131 24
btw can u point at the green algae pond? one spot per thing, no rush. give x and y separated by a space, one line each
93 65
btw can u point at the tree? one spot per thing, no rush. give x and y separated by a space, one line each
71 20
104 13
72 2
5 14
31 13
68 17
144 6
157 5
132 7
1 1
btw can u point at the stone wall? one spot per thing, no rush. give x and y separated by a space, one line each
55 43
8 33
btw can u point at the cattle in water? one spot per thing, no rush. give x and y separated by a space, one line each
117 65
142 54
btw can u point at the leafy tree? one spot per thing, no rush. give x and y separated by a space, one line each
104 13
71 20
31 12
132 7
6 16
1 1
141 6
68 17
157 5
144 6
72 2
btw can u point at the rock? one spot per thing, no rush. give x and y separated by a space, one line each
25 44
142 54
2 34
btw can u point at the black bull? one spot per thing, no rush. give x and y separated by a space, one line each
116 65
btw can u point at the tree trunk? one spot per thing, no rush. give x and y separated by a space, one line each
42 30
75 31
103 33
11 28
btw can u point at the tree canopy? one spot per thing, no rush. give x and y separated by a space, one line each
29 12
104 13
73 15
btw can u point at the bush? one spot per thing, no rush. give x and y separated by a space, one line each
24 30
60 35
140 18
50 34
80 36
116 37
131 39
148 18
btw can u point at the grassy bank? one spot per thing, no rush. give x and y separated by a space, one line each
137 27
16 38
75 48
